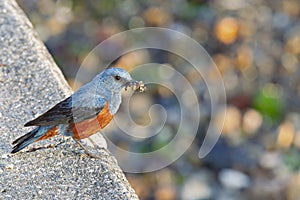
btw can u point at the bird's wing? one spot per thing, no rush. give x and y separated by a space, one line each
70 111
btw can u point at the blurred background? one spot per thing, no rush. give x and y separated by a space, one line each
255 45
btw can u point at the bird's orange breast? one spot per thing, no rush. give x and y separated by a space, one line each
91 126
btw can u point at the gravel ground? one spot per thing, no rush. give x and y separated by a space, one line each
30 84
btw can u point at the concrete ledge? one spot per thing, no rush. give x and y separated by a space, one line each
30 84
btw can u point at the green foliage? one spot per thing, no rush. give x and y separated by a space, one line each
269 102
292 159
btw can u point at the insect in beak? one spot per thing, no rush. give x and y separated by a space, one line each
135 85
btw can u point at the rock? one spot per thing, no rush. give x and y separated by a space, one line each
197 186
234 179
30 84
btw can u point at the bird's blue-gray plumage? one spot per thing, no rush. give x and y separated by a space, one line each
84 104
88 101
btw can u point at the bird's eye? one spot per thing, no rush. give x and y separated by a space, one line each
117 77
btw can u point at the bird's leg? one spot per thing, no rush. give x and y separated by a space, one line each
85 149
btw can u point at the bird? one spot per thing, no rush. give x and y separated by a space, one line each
84 113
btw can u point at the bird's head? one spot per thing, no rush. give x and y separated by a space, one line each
116 79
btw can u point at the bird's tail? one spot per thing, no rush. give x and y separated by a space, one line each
26 140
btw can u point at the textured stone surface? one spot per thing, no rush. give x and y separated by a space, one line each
30 84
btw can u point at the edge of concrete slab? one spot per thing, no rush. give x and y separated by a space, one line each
30 84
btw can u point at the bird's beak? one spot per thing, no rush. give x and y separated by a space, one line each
135 85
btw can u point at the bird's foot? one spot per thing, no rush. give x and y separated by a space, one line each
88 152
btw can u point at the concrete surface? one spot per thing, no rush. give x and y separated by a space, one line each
30 84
